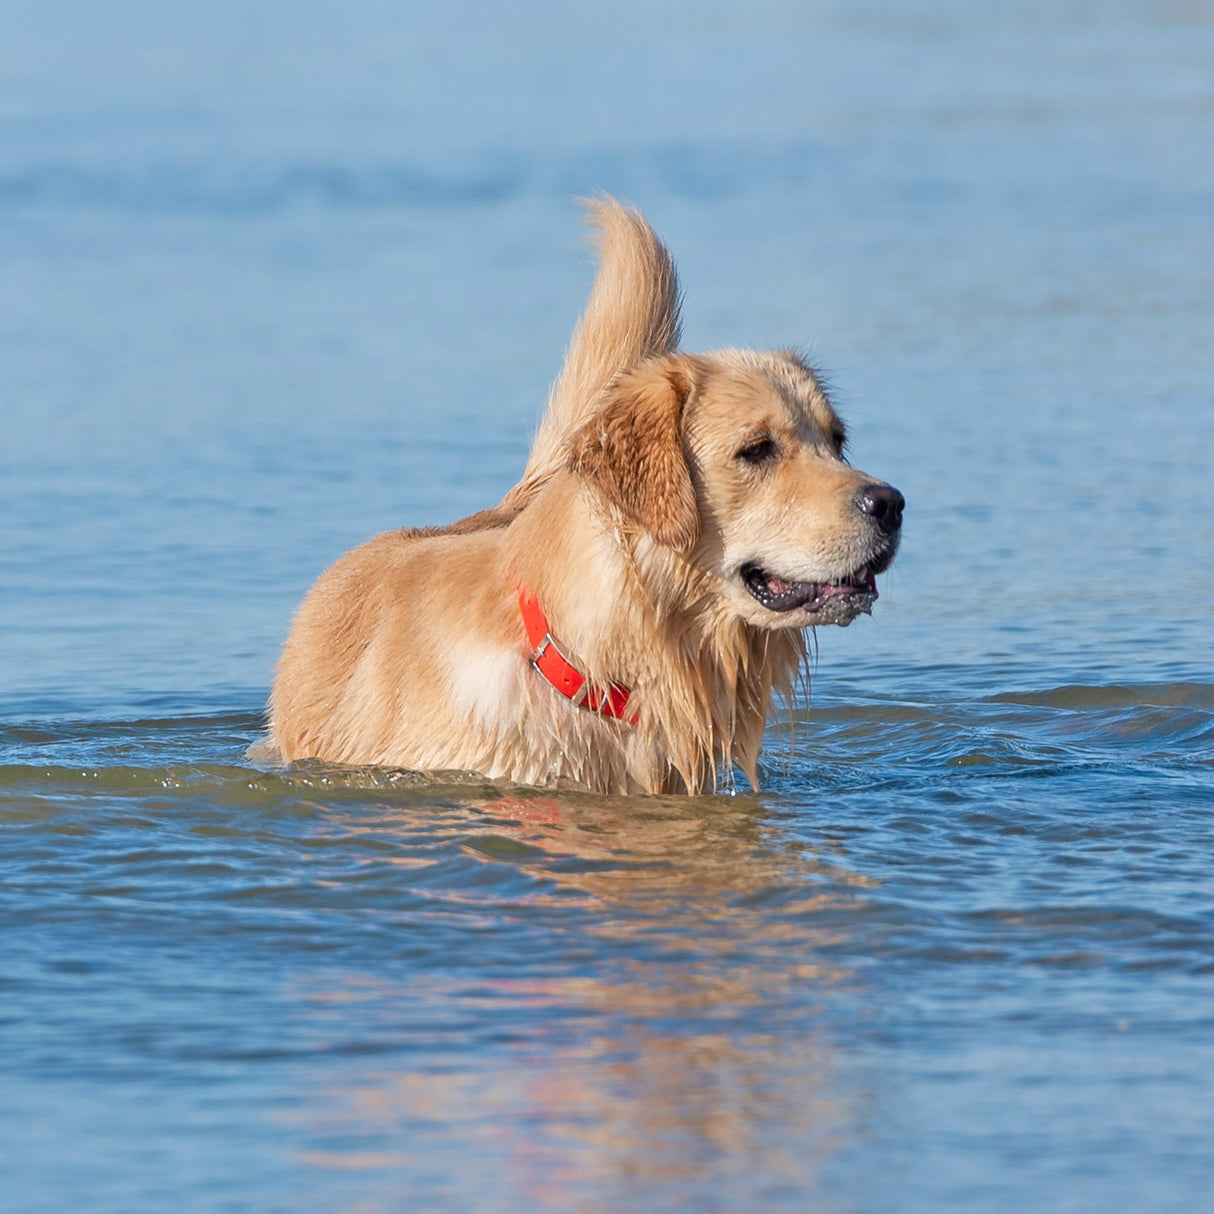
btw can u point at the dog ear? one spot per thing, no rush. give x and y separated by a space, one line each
632 448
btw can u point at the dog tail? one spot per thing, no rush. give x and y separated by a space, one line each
633 314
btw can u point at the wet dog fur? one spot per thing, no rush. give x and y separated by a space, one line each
682 519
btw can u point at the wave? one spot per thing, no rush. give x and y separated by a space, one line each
241 185
1161 725
1078 696
234 188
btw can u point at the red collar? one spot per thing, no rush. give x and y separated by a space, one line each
555 668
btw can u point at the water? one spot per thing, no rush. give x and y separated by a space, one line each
276 279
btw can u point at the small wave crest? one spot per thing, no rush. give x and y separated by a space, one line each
1165 726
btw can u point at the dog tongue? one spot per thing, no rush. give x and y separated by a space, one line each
779 585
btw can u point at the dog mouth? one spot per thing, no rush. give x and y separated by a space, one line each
823 602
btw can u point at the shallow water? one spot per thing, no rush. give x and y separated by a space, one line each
272 289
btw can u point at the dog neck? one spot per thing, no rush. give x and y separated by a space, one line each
637 613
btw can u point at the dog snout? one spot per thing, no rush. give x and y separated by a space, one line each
883 503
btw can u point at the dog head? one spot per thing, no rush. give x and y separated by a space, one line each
735 461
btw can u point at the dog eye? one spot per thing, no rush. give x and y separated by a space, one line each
760 451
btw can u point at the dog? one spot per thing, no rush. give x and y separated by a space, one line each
622 620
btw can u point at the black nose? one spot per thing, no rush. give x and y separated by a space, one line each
884 503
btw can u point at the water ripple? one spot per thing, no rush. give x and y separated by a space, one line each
233 189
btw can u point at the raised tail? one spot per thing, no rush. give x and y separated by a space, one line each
633 314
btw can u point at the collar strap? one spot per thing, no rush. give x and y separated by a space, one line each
556 669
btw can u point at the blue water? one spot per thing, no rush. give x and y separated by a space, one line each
274 278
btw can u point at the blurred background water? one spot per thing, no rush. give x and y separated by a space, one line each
275 277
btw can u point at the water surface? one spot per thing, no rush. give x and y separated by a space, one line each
275 281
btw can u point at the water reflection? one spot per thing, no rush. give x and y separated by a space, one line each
668 1027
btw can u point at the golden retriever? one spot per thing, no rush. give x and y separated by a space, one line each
621 621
